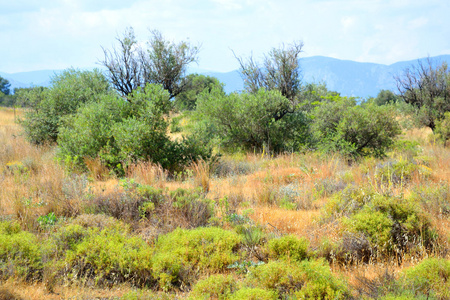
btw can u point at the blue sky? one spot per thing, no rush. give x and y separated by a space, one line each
58 34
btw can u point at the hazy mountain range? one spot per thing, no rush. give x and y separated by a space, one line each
347 77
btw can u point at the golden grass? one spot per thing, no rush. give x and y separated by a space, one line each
41 188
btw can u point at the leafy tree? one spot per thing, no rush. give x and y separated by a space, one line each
352 129
4 86
118 132
249 120
195 85
427 88
162 62
68 91
443 128
386 97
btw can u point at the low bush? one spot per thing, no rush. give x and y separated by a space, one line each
390 223
109 257
430 278
217 286
20 253
304 280
288 247
180 256
435 198
248 293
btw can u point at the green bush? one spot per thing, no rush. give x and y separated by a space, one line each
68 91
217 286
430 278
20 253
248 293
182 254
435 198
288 247
109 257
390 223
400 171
258 121
354 130
304 280
442 130
195 85
120 132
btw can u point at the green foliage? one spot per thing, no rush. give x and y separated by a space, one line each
47 220
392 224
426 88
385 97
120 132
288 247
354 130
182 254
248 293
4 86
254 121
108 257
214 287
430 278
69 90
304 280
400 171
195 84
435 198
20 253
443 128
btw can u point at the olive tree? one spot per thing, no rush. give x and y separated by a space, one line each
426 87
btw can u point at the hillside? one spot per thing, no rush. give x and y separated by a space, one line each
350 78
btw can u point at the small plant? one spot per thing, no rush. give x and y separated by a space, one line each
304 280
430 278
214 287
248 293
48 220
180 256
288 247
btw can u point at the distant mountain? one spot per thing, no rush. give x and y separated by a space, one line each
347 77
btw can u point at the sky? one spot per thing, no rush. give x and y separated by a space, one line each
59 34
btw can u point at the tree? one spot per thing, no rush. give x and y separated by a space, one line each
354 130
386 97
4 86
195 85
280 71
120 131
123 65
247 120
427 88
67 92
161 62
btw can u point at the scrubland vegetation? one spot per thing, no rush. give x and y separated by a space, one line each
282 191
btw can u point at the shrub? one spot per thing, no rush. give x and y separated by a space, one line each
400 171
108 257
305 279
435 198
443 128
354 130
20 253
121 132
214 287
429 278
182 254
248 293
260 121
68 91
288 247
389 223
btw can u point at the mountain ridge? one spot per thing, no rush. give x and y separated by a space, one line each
349 78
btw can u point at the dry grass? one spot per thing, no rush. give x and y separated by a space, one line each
34 184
